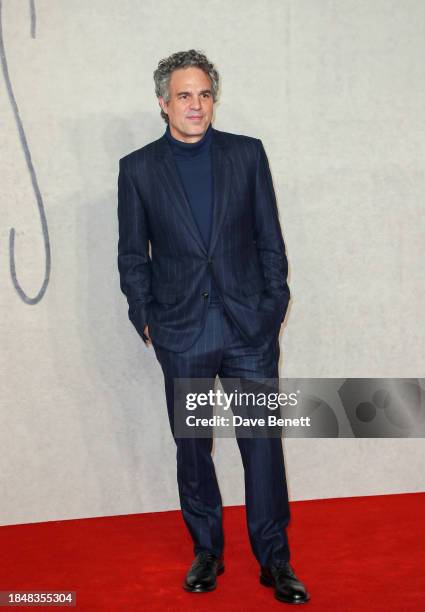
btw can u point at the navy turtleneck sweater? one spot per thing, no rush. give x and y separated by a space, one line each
193 161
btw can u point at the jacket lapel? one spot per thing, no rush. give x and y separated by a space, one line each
170 179
222 174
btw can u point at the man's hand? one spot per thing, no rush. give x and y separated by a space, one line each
146 332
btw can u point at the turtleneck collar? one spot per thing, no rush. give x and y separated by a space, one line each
190 149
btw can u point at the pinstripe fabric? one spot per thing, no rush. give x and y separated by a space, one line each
168 289
221 350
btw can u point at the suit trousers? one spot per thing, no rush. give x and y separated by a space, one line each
221 350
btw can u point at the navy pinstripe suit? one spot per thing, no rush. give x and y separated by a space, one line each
168 289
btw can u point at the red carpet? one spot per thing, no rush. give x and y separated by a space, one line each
351 553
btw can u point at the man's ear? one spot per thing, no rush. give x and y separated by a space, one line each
162 104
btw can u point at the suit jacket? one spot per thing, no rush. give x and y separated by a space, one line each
167 286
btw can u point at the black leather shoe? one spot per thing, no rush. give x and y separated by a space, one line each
287 586
203 573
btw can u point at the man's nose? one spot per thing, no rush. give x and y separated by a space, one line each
196 102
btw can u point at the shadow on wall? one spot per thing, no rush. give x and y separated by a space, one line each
115 380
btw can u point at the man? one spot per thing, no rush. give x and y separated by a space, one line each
211 298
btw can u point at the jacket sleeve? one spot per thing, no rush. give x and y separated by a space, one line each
268 235
134 263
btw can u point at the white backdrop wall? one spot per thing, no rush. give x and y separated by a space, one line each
336 91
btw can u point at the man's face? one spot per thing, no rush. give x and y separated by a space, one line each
190 106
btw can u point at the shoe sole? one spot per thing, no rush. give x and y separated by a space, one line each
203 589
269 583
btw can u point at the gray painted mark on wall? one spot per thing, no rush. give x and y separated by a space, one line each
25 298
33 18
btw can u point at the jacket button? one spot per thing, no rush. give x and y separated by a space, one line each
205 294
210 261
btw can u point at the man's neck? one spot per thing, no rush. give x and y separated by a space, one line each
190 149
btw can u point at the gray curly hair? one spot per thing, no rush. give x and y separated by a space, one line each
183 59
